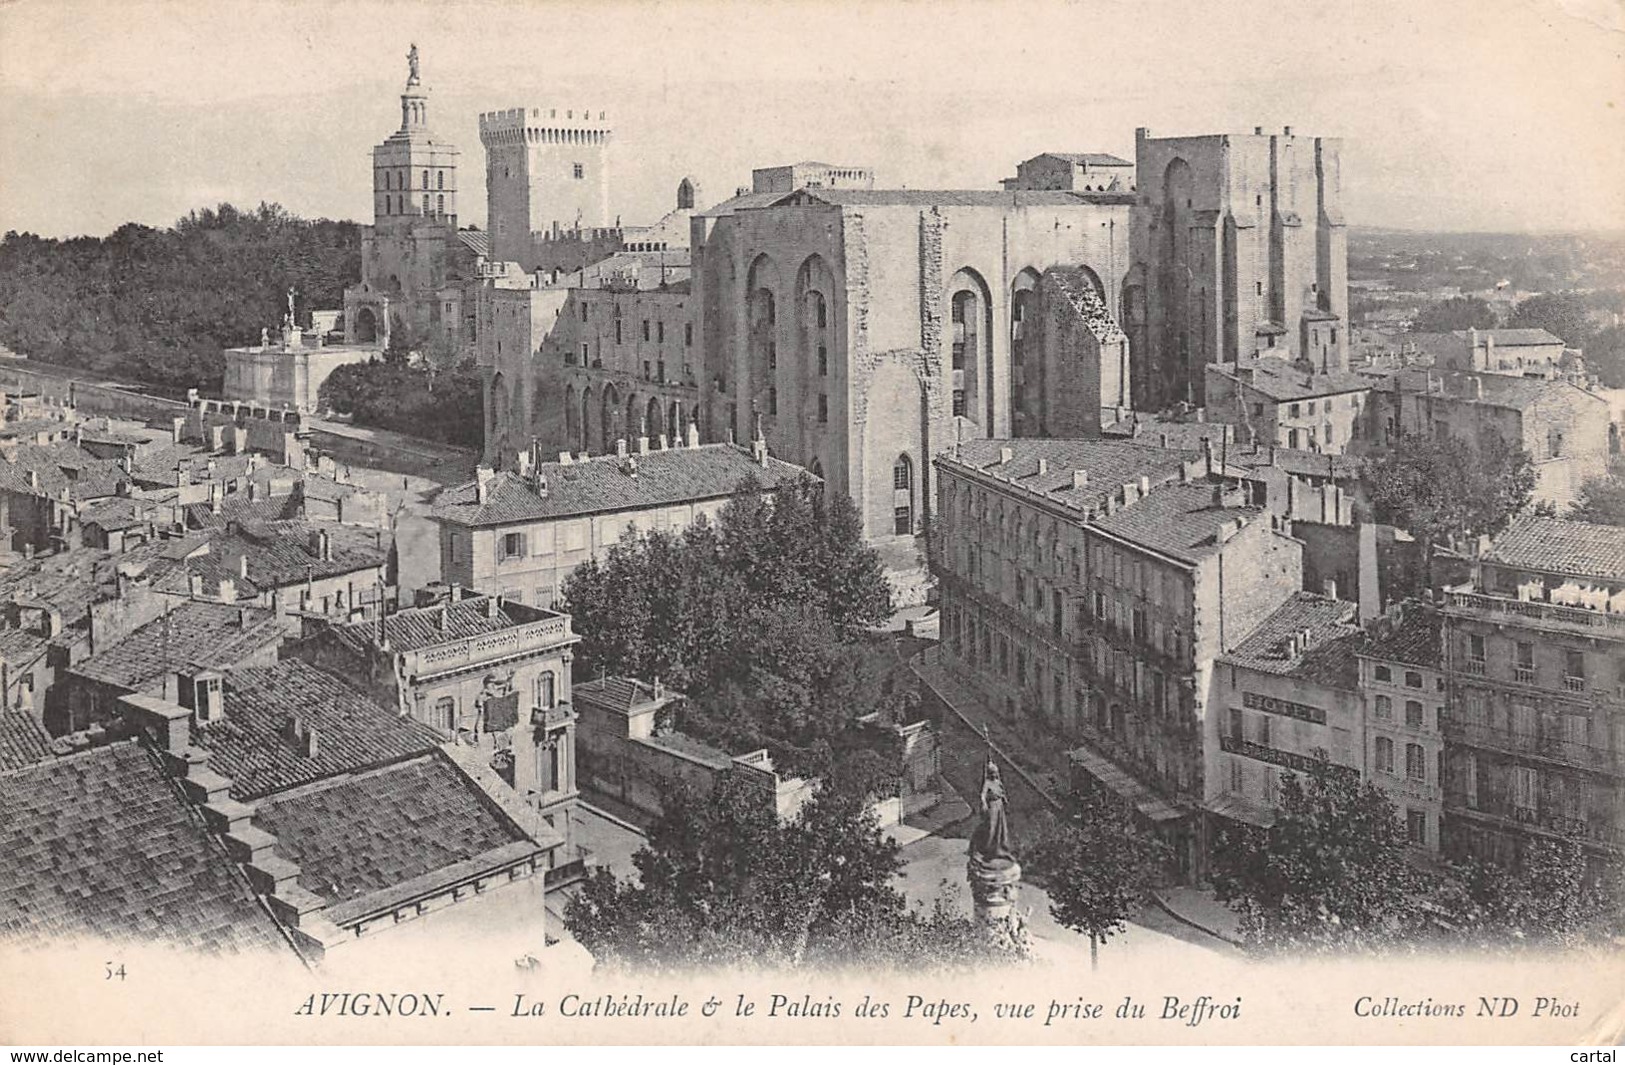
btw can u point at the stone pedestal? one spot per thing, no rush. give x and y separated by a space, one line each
993 887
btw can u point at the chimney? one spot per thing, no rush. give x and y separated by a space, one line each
1006 455
493 606
1218 495
620 448
1145 486
693 436
1328 587
643 444
1080 479
195 585
1043 466
227 590
483 476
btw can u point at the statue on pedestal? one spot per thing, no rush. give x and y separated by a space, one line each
993 871
412 65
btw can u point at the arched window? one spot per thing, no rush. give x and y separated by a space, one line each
425 179
440 206
544 691
400 205
440 179
902 480
425 203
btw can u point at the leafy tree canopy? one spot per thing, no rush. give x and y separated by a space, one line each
1566 315
1602 499
160 305
1095 867
762 619
390 394
1457 312
1442 489
722 882
1330 874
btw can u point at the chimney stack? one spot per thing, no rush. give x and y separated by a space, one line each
1080 479
1006 456
1043 466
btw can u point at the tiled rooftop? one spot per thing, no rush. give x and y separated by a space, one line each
613 693
1412 637
369 831
253 746
62 465
408 630
213 635
23 741
1178 519
279 553
1295 461
960 197
1513 338
1090 158
1284 382
1327 656
603 485
1551 545
100 844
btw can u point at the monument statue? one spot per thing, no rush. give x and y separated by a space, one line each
991 840
290 304
412 65
993 871
265 337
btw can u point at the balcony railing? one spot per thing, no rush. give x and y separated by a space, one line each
1501 608
505 643
1555 748
1603 833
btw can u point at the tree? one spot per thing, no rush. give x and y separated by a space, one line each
1457 312
1329 874
1551 895
1566 315
1442 490
723 882
762 619
161 305
1095 867
1602 499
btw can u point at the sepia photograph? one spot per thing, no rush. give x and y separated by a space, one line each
535 522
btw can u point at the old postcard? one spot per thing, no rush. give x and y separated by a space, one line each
706 522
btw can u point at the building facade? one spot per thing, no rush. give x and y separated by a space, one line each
1534 661
1564 428
1091 585
1240 247
870 329
519 533
1286 405
1403 687
487 674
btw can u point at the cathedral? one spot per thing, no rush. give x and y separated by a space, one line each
862 330
418 270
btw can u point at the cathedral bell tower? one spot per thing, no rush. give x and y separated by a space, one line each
414 172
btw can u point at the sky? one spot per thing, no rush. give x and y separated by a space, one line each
1491 115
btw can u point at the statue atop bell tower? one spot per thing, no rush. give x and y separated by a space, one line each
412 66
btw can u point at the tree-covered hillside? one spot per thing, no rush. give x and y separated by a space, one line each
158 305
